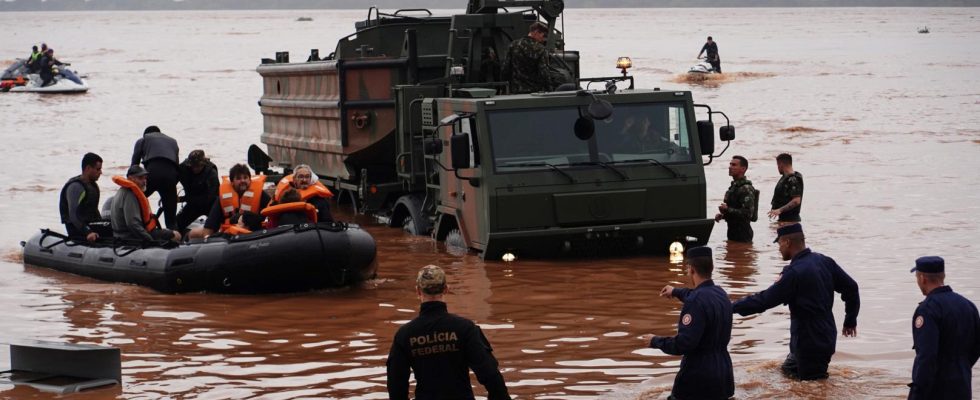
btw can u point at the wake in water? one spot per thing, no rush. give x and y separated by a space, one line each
13 256
714 80
765 380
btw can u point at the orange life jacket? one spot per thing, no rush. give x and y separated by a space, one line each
146 216
315 190
230 202
273 212
235 230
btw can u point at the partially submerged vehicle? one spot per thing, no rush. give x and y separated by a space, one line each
409 120
284 259
17 79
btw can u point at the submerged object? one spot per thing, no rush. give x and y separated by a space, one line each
284 259
924 29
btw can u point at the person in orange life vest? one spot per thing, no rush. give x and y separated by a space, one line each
239 192
131 217
289 212
243 223
310 190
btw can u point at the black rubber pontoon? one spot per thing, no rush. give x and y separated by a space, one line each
284 259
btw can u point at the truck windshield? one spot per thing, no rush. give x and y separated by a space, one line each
543 138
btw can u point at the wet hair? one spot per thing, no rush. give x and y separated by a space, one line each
742 161
151 129
702 265
253 221
239 170
290 196
785 158
538 26
89 160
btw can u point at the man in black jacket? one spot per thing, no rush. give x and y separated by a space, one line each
199 177
441 348
79 201
160 156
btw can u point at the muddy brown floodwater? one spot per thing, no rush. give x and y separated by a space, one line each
883 123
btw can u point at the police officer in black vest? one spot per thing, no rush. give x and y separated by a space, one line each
703 333
946 336
807 285
160 156
441 348
79 202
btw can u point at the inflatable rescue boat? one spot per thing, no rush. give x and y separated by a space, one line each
289 258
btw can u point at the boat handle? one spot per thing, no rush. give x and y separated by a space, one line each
106 259
75 255
44 250
137 263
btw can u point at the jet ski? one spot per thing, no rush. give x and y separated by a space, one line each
703 67
17 79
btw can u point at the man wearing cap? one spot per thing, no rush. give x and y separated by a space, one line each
160 156
739 207
130 217
703 332
440 348
199 177
807 285
945 336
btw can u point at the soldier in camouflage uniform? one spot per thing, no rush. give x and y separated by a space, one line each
738 210
526 66
788 196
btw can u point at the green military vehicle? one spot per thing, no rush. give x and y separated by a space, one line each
409 120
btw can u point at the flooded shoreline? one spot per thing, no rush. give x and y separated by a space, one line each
887 143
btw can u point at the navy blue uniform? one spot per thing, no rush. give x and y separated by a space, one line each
441 348
703 333
807 285
946 333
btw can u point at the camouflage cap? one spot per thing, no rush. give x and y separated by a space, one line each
432 279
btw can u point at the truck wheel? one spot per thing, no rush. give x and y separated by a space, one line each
455 239
408 225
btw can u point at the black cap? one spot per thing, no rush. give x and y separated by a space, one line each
787 230
929 264
136 170
700 251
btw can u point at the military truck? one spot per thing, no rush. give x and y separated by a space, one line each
409 119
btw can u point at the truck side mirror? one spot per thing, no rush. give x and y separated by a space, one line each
727 133
432 146
706 135
459 146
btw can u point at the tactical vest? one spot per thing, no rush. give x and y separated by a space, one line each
88 204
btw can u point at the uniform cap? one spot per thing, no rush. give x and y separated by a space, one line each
788 230
136 170
929 264
432 279
700 251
